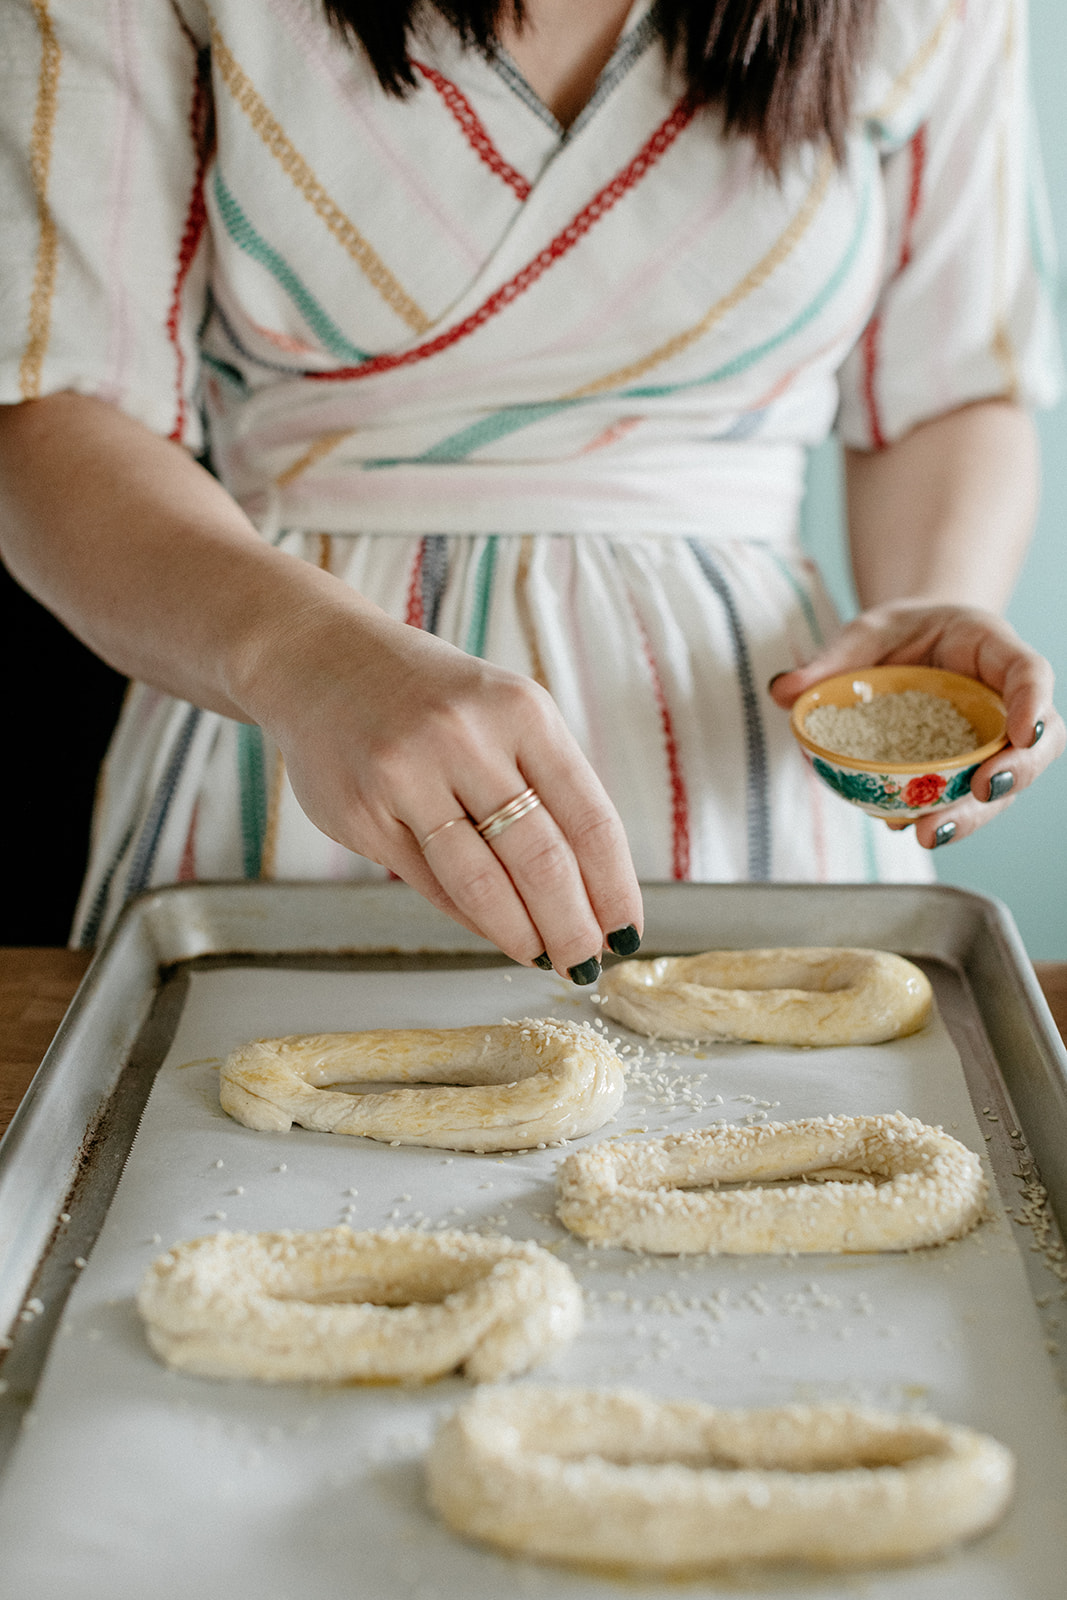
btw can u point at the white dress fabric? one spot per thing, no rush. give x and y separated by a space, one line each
547 393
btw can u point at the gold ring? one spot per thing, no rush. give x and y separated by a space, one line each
451 823
498 820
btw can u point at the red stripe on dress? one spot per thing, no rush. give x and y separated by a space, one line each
414 614
474 130
564 241
195 223
679 795
872 332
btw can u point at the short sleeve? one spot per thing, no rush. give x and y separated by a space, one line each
965 310
104 135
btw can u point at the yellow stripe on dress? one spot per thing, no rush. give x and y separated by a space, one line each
296 168
754 279
44 275
919 62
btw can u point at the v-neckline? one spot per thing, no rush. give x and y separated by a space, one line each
636 34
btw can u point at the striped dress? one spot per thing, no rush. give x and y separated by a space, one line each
547 393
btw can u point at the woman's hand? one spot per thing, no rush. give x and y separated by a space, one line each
960 639
397 744
387 732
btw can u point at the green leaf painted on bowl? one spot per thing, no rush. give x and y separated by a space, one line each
864 786
960 784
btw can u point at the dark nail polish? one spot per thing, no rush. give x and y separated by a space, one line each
999 785
944 833
544 961
624 941
585 972
1039 728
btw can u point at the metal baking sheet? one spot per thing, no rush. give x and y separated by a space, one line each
169 1482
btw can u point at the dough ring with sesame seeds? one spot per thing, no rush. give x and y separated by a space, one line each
835 1185
334 1306
618 1479
506 1087
804 996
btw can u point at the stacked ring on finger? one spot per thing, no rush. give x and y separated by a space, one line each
334 1306
510 1086
866 1183
497 821
617 1479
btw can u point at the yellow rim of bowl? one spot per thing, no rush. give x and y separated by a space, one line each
802 705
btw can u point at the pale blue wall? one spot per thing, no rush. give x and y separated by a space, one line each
1022 856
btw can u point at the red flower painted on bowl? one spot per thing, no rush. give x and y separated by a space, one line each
925 791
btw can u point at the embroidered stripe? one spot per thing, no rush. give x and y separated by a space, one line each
434 578
307 184
268 866
680 851
629 50
95 914
41 142
919 61
489 429
315 451
754 279
192 233
803 598
147 846
873 330
561 245
413 611
757 803
248 239
1003 348
522 605
252 785
474 129
483 589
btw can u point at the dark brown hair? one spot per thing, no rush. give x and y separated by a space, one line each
780 71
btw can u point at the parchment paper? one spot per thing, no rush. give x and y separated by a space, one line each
130 1480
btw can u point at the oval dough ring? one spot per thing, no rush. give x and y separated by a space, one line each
333 1306
652 1195
805 996
538 1081
621 1480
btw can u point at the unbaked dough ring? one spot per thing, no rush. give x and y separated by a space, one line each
805 996
538 1081
333 1306
864 1183
620 1480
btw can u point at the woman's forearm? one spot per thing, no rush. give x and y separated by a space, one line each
143 554
945 514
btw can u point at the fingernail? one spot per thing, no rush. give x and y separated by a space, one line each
772 681
999 784
944 833
624 941
1039 728
585 972
544 961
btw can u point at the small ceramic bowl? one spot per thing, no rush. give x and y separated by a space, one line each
900 791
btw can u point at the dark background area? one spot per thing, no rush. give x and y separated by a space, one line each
60 704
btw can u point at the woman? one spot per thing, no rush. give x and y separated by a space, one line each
506 331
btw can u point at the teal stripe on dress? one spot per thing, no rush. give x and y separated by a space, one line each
803 598
483 589
246 237
252 779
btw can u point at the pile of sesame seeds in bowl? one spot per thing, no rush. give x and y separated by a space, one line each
899 741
